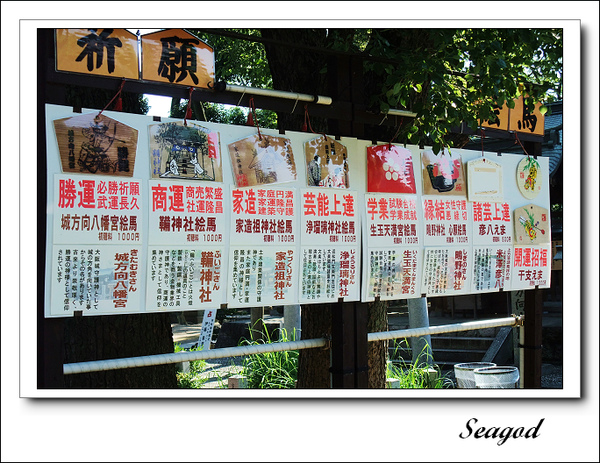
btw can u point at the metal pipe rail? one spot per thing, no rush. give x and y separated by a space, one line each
318 99
453 328
163 359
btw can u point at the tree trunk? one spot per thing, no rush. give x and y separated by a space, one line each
120 336
313 364
378 350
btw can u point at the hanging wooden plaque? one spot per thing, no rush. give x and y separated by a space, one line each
532 225
96 144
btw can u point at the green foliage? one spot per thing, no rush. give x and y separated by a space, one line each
413 376
191 379
450 76
271 370
215 112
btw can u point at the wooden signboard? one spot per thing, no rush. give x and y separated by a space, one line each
500 119
96 144
105 52
484 180
174 56
532 225
326 163
526 119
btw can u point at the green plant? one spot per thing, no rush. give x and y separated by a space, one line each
412 376
191 379
271 370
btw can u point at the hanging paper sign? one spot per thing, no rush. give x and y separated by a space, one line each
527 119
390 170
392 220
328 273
326 163
446 221
330 246
97 210
184 278
500 118
175 56
329 217
532 225
262 160
208 325
529 178
491 268
262 275
95 279
492 223
263 215
186 152
105 52
443 173
262 270
393 273
186 213
531 267
93 144
447 271
484 180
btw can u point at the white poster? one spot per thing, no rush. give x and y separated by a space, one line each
187 213
393 273
491 268
330 239
95 280
492 223
446 221
262 275
447 271
184 278
531 267
97 210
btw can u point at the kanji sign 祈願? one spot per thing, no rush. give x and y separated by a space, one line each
174 56
105 52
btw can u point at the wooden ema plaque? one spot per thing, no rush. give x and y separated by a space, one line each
96 144
532 225
326 163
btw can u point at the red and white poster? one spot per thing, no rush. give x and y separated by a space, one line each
492 223
97 210
531 267
446 221
392 220
330 241
187 213
184 278
447 271
95 280
263 256
491 268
